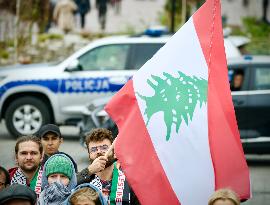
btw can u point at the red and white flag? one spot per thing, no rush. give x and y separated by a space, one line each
178 139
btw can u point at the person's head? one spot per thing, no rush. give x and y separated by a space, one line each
238 80
51 138
224 197
98 142
18 202
85 196
28 153
18 194
4 178
59 168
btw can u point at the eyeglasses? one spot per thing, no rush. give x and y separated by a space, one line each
102 148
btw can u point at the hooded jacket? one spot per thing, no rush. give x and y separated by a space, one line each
101 198
56 193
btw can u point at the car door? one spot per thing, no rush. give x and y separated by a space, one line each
239 96
103 71
259 109
142 52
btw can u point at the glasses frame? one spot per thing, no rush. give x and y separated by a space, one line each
102 148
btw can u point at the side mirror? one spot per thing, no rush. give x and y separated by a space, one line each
74 66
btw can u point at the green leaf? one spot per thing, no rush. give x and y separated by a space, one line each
176 97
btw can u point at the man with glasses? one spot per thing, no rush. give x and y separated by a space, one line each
103 171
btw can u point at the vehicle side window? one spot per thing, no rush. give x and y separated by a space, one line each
237 78
143 53
110 57
262 79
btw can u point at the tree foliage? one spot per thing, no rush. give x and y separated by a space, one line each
166 18
30 10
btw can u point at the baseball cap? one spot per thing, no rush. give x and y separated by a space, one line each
49 128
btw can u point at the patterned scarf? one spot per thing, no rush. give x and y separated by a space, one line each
97 182
117 191
54 194
35 183
19 178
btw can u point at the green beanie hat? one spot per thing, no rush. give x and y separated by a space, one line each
59 164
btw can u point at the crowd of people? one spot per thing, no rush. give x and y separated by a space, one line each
46 176
63 12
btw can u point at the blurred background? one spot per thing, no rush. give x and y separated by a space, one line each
32 30
42 31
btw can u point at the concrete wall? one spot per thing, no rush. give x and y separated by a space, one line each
235 10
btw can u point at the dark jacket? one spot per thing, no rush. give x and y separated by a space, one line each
129 196
102 5
83 6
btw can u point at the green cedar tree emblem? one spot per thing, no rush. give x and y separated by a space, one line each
176 97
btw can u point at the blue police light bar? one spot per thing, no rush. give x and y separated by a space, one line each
248 57
156 31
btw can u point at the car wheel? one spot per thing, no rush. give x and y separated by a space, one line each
26 115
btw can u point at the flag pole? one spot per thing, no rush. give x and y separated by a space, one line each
110 149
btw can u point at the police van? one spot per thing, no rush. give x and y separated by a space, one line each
33 95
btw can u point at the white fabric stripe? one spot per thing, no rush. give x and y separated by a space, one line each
186 157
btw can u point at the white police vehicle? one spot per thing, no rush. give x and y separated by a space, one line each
249 78
33 95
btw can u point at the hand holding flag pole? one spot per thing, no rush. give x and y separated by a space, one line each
110 149
96 165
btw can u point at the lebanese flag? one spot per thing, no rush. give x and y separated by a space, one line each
178 139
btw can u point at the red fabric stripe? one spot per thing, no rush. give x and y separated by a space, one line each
228 159
135 151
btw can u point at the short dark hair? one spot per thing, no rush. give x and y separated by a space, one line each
27 138
97 135
239 72
5 172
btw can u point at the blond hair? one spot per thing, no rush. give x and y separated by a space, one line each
85 193
224 194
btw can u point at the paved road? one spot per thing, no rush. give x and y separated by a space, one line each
259 166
